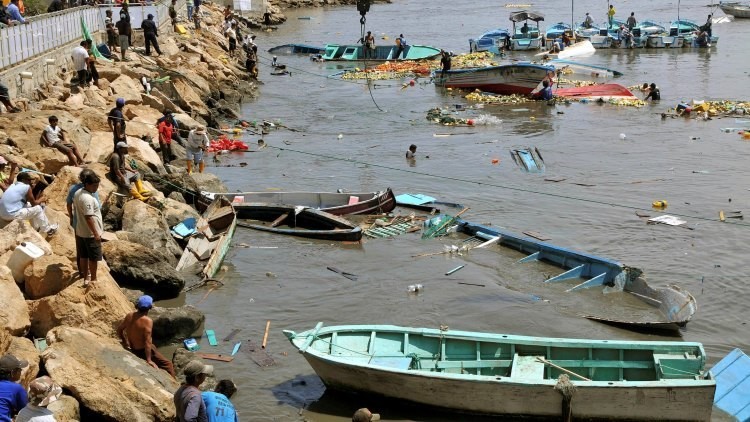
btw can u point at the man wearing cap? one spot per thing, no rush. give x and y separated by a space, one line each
197 143
42 392
116 121
135 333
364 415
13 397
187 399
149 34
123 175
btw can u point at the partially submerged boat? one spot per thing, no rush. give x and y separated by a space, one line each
297 221
736 9
493 41
674 306
513 375
296 49
336 203
521 78
356 52
210 243
581 70
604 92
526 37
426 203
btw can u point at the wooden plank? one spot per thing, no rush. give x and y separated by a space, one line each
232 334
278 221
537 235
214 356
258 355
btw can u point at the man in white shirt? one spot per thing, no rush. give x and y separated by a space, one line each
54 136
88 229
197 143
80 58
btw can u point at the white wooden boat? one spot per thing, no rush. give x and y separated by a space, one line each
738 10
504 374
210 244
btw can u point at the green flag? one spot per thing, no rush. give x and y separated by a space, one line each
87 36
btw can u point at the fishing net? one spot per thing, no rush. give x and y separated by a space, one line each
565 387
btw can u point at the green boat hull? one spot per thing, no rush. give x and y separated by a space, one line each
356 52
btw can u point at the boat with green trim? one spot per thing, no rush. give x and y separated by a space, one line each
381 53
210 244
504 374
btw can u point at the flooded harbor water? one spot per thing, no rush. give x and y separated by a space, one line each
690 163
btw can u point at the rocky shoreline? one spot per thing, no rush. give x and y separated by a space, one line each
102 381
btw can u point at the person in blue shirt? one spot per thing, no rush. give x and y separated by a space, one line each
15 13
218 406
401 44
546 93
13 396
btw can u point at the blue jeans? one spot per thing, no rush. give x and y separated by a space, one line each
190 11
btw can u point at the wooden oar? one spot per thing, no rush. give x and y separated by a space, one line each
265 336
546 362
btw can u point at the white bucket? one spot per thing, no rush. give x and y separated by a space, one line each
21 257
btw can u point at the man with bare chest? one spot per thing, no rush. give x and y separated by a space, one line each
135 333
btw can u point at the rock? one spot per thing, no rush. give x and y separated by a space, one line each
64 241
48 275
187 98
176 324
17 232
101 147
166 101
127 88
174 212
145 155
14 314
66 408
24 348
109 72
57 191
145 268
106 379
136 72
94 98
185 122
177 196
153 101
148 224
98 308
208 182
104 85
76 101
181 358
5 339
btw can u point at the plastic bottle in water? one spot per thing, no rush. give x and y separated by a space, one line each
414 288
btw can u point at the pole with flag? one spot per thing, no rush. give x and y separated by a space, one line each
87 36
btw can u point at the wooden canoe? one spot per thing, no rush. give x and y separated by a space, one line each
296 221
210 244
675 305
512 375
335 203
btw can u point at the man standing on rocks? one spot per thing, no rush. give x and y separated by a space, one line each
187 399
135 333
71 211
80 58
13 396
116 121
123 175
123 28
197 143
149 34
13 205
166 130
89 227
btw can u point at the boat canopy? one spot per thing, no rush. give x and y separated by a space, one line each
526 15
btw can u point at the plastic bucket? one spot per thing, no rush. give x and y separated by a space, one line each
22 256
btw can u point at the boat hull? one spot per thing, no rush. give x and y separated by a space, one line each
525 391
605 92
736 10
665 41
331 202
524 44
519 79
211 245
305 222
296 49
356 52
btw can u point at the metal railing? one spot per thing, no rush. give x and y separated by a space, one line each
53 30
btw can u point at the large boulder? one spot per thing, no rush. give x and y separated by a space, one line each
144 268
149 226
57 191
17 232
175 211
98 308
187 98
14 314
175 324
208 182
109 381
101 148
145 155
128 88
66 409
24 348
48 275
64 241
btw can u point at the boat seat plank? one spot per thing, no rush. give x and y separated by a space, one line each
450 364
640 364
393 362
527 367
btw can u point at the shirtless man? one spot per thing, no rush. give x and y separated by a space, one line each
135 332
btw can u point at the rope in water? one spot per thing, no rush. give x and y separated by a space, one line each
495 185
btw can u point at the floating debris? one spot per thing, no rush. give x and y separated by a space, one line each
483 97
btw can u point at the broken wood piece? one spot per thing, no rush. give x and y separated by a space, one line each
471 284
642 214
350 276
554 179
721 215
454 270
258 355
214 356
265 336
281 218
537 235
232 334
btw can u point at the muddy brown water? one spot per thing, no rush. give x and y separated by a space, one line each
690 163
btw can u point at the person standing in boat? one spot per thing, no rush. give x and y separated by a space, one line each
369 43
588 21
654 94
707 27
400 43
611 15
445 62
631 22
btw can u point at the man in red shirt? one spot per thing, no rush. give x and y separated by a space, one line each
166 127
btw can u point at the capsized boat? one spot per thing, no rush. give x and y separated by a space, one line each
356 52
605 92
582 70
513 375
297 221
210 244
336 203
736 9
521 78
296 49
674 305
526 37
493 41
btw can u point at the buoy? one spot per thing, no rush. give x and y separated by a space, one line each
411 82
470 122
623 136
495 161
659 204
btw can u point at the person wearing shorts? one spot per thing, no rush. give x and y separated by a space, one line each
123 28
89 227
197 143
54 136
